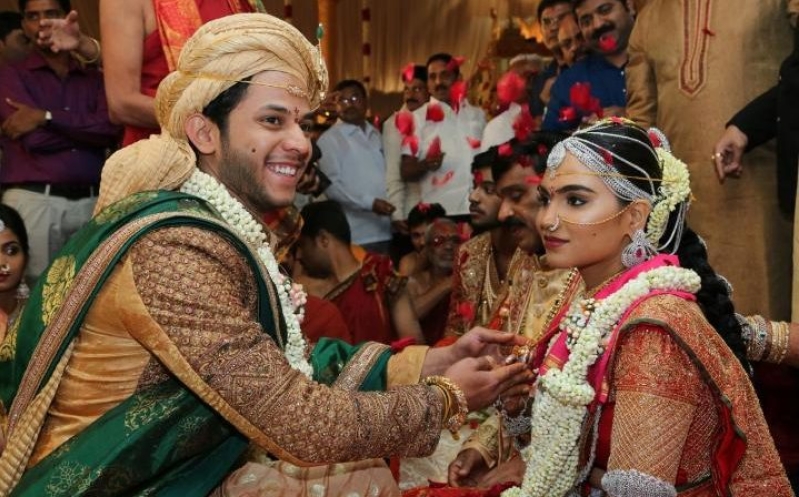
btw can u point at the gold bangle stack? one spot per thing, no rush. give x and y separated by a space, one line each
759 337
780 334
455 405
84 60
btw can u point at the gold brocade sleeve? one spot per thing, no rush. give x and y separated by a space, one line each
657 391
488 441
197 315
405 368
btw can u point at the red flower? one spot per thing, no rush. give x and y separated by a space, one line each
655 139
457 93
533 179
524 124
608 43
455 63
510 87
466 311
542 149
473 142
594 107
435 113
606 156
404 123
567 114
407 72
580 95
434 150
478 177
411 141
505 150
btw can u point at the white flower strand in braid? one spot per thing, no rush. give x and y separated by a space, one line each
563 395
292 297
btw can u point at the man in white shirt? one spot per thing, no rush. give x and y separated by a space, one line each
402 194
352 158
447 133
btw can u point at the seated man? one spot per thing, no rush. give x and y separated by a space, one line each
370 295
430 288
419 219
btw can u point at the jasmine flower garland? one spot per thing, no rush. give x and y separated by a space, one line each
561 403
292 297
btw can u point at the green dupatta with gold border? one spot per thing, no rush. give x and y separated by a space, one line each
163 440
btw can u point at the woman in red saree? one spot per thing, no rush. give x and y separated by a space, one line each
644 390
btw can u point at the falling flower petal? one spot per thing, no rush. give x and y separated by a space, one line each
505 150
580 95
407 72
523 125
478 177
404 123
455 63
457 93
473 142
510 87
423 207
434 150
533 179
567 114
608 43
435 113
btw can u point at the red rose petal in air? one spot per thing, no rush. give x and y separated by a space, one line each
505 150
457 93
523 125
567 114
608 43
455 63
510 87
404 123
407 72
533 179
580 95
473 142
423 207
435 113
434 150
411 141
478 177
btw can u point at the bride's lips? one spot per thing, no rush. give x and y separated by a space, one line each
554 242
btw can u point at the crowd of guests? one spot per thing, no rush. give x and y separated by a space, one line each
443 219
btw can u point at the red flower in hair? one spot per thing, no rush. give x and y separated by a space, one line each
567 114
533 179
423 207
404 123
606 156
473 142
435 113
466 311
478 177
608 43
505 150
524 124
407 72
455 63
655 139
434 150
510 87
457 92
411 141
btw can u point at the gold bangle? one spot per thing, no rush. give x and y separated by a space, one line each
455 401
84 60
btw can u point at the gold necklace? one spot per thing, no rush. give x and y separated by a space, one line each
594 290
559 300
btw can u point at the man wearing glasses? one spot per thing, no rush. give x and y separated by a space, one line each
352 157
56 134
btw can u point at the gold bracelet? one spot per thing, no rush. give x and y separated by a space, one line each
785 345
455 401
84 60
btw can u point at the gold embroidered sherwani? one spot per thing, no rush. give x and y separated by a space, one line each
693 65
182 303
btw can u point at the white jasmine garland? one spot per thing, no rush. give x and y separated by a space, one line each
292 297
561 403
675 188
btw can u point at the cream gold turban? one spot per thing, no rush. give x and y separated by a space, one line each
218 55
